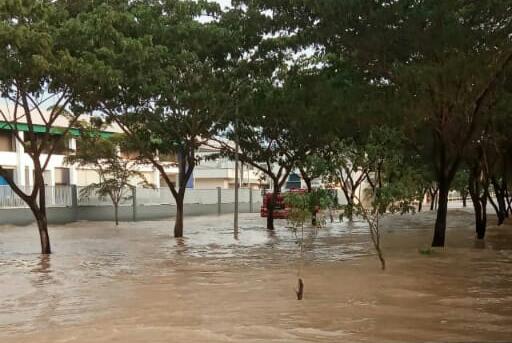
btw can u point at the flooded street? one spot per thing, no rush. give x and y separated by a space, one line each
137 284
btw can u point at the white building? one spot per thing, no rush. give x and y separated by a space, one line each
213 171
219 172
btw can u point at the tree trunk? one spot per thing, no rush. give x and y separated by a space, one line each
501 209
307 180
509 204
479 202
349 196
381 258
432 200
480 217
481 228
464 199
508 201
351 204
497 208
41 218
116 214
477 206
178 225
300 289
442 211
272 205
270 210
42 225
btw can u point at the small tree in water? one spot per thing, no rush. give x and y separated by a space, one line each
115 173
304 207
392 183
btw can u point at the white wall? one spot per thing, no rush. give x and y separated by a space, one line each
210 183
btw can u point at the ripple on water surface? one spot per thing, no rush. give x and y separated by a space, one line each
100 271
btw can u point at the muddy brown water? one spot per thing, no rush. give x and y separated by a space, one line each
136 284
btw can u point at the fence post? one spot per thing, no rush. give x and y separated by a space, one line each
250 200
219 201
74 202
134 203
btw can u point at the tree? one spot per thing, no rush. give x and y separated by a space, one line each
500 147
442 61
36 81
311 166
303 206
445 83
264 145
460 184
158 80
349 167
116 174
308 93
487 160
393 182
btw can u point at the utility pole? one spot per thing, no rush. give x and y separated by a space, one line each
237 181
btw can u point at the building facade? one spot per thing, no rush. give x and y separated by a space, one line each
210 173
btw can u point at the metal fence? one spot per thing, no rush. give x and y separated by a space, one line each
62 196
56 196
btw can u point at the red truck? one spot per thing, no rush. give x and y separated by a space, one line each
280 208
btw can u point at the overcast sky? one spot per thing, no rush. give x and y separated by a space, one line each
223 3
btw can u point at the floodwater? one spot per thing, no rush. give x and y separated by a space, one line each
136 284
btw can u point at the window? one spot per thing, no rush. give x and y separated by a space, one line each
57 140
61 176
6 141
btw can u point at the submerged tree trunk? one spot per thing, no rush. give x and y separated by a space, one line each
479 200
420 202
508 202
300 289
464 199
442 211
186 164
482 226
41 217
271 205
501 207
480 213
178 225
270 215
499 213
433 195
314 219
116 213
273 202
380 255
42 226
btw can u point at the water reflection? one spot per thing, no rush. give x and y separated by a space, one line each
479 244
272 238
43 271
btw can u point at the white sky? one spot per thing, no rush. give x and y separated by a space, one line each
223 3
